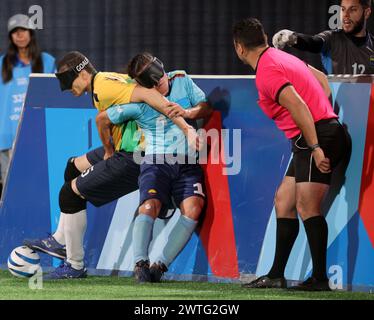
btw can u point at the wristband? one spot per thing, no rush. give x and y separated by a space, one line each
314 147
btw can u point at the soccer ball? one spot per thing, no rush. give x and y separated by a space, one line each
23 262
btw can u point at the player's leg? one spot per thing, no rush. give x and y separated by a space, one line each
154 188
73 209
74 167
142 237
102 183
54 244
188 193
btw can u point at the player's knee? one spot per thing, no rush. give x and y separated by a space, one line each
194 209
71 171
151 208
69 201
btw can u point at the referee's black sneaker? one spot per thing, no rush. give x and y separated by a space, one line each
312 284
265 282
141 272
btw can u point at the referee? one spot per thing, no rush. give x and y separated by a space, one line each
293 97
349 50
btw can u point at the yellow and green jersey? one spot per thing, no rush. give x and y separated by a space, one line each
109 89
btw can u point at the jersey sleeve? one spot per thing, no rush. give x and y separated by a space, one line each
273 82
122 113
326 37
309 43
195 94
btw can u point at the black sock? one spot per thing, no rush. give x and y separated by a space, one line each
287 231
317 232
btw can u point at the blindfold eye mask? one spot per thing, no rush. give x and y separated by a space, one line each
151 76
67 78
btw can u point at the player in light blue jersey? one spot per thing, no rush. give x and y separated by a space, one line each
161 179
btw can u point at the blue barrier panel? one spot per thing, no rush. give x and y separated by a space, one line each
56 126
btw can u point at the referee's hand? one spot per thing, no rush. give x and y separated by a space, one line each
322 163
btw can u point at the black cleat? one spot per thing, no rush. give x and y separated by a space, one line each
312 284
141 271
157 270
265 282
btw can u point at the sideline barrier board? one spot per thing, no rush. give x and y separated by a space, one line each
236 238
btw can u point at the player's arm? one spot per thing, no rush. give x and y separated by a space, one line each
113 116
299 41
202 110
309 43
300 113
157 101
322 79
104 127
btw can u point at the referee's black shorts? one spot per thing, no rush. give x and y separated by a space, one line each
334 142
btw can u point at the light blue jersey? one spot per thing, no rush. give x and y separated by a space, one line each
12 96
162 136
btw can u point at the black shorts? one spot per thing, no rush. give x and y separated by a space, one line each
95 156
109 180
334 142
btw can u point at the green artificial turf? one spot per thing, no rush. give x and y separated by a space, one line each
126 288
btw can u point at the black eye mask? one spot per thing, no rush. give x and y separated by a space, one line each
151 76
67 78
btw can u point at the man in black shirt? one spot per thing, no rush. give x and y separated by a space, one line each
349 50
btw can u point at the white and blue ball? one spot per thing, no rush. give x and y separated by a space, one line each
23 262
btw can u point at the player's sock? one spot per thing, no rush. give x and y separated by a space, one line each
74 229
59 233
317 232
142 236
178 237
287 231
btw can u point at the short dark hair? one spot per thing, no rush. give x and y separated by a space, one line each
366 3
249 32
73 59
138 63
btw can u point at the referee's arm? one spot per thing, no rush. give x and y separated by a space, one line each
291 100
322 79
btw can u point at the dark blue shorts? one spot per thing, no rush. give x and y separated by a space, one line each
108 180
95 155
163 181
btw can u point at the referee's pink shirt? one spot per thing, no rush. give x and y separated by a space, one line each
275 71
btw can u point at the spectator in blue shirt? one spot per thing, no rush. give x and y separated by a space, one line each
22 57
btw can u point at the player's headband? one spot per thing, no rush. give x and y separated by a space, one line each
151 76
67 78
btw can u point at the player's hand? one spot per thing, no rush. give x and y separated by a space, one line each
194 140
283 38
175 110
322 163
